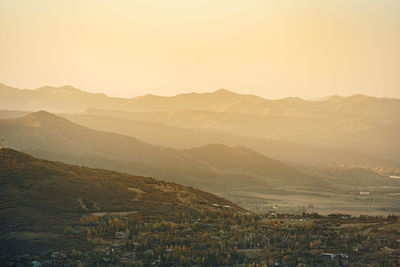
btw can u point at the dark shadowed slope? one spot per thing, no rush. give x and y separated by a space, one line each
38 196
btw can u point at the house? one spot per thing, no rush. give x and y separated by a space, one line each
333 256
328 255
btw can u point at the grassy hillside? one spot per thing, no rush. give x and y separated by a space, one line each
43 196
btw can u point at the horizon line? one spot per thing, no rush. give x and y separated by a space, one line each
313 99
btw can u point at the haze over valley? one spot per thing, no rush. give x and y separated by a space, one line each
294 153
199 133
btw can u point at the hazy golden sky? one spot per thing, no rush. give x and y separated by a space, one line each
308 48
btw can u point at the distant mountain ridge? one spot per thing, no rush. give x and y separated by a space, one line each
69 99
55 99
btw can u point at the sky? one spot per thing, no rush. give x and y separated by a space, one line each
270 48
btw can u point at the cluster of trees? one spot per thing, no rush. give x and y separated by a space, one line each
229 238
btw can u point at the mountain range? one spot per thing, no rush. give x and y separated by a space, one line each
156 128
357 129
69 99
372 137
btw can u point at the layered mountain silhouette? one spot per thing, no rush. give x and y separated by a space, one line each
70 99
159 133
52 137
356 129
352 138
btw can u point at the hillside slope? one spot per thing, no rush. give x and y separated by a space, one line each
44 131
44 196
238 159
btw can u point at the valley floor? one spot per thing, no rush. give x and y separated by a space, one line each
354 190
